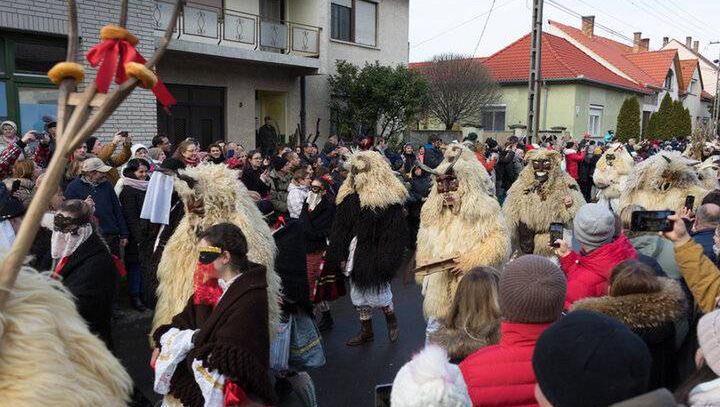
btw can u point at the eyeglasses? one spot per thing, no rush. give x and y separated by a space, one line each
316 189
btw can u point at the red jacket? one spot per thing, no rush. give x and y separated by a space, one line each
502 374
572 160
488 164
588 276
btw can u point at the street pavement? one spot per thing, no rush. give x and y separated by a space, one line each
350 375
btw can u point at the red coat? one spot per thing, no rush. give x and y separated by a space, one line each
502 374
572 160
588 276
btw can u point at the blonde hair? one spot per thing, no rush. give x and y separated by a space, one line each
24 169
475 306
626 219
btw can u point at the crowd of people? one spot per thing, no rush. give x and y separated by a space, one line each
603 315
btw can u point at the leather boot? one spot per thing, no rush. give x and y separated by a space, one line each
326 321
392 326
365 335
137 303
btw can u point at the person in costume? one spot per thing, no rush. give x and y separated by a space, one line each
461 228
543 194
216 352
368 238
611 172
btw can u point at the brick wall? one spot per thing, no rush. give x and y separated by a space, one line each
138 113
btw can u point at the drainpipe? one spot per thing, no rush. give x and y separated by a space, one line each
545 103
303 112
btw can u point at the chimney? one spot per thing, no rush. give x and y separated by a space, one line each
688 42
636 42
588 25
645 45
665 41
696 45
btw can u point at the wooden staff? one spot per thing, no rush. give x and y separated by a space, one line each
70 134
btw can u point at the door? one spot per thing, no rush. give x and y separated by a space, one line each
273 105
199 113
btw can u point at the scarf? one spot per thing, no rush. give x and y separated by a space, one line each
191 163
313 200
65 244
87 181
139 184
218 160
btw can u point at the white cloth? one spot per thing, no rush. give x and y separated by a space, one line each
371 298
156 207
174 346
295 199
313 200
211 383
65 244
705 394
7 236
225 285
351 257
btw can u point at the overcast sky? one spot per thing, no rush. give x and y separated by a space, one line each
439 26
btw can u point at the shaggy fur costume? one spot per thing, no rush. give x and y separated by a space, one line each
370 207
610 179
460 343
473 231
662 182
225 199
530 207
48 357
708 173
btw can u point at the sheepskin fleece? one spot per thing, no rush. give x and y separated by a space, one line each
524 204
475 232
613 176
373 180
226 200
644 184
708 172
48 357
639 311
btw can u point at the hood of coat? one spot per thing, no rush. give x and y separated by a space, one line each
460 343
641 310
294 186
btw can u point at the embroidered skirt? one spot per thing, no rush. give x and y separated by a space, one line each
323 286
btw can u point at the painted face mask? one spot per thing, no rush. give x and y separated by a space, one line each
610 159
447 185
542 169
209 254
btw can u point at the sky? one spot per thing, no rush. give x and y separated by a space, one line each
455 26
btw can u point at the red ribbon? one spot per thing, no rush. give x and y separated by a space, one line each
112 55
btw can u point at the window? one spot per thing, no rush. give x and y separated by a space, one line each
354 21
693 86
669 80
36 102
594 120
493 119
35 57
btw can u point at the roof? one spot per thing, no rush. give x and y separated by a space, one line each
699 55
687 69
704 95
559 60
645 68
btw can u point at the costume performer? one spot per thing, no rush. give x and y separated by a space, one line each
461 227
708 172
214 188
368 237
611 173
542 194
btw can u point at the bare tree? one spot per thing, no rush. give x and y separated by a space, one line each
460 87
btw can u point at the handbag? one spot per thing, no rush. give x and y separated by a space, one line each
280 346
306 350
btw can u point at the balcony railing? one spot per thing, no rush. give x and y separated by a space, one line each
237 28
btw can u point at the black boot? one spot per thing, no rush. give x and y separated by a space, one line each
326 321
365 335
137 303
392 326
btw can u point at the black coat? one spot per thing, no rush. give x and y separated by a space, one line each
131 200
505 169
40 250
92 278
252 181
318 224
433 157
291 266
419 189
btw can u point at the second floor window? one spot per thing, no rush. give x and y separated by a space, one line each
354 21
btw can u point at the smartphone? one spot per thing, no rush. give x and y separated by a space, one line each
382 395
689 202
651 221
556 232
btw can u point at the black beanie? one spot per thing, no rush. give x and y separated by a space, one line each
90 143
590 359
278 163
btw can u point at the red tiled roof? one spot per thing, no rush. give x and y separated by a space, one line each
559 60
687 68
643 69
704 95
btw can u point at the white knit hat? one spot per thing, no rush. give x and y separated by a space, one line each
708 332
429 380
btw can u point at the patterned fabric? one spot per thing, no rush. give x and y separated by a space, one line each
8 158
323 286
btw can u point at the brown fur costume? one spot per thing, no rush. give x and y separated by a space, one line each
225 199
473 231
48 356
530 206
610 175
662 182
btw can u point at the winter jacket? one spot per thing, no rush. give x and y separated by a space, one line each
488 163
115 161
107 206
251 179
279 190
295 199
588 275
459 343
291 266
652 316
502 374
419 189
505 169
572 160
433 156
661 250
705 394
131 200
705 239
700 273
317 224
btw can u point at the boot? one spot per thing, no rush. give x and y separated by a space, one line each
136 303
326 321
365 335
392 326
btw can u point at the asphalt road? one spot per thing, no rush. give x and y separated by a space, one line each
350 375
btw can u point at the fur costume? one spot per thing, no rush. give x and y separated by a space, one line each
472 231
708 173
533 204
48 357
225 199
662 182
611 173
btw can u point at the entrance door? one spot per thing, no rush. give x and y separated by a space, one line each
273 104
199 113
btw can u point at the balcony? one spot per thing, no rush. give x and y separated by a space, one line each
225 32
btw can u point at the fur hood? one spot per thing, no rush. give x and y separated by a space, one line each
639 311
373 180
459 344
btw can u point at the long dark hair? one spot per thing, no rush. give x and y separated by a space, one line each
230 238
133 165
702 375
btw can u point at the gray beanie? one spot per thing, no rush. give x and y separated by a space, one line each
532 290
594 226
